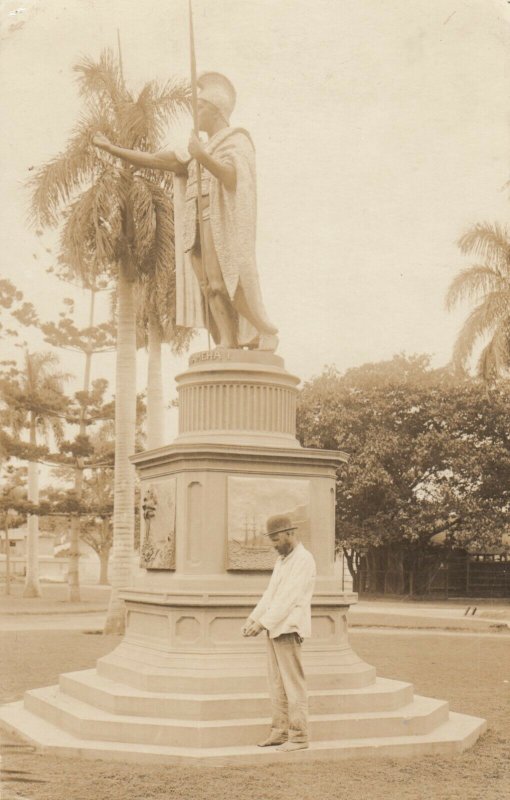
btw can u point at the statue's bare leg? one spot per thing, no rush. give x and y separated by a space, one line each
267 338
215 291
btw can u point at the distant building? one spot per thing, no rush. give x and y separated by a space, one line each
53 557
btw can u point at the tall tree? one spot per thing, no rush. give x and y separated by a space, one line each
112 224
429 455
34 400
487 284
88 409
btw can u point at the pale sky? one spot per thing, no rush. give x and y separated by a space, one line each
381 129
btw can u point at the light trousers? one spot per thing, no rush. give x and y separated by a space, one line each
287 688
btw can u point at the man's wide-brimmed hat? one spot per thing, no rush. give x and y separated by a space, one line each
279 524
216 89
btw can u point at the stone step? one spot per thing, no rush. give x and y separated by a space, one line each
455 735
117 698
159 676
419 717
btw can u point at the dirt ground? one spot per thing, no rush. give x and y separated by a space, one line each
471 671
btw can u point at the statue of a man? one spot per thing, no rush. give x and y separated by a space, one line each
226 278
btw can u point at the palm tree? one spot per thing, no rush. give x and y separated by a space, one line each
487 283
113 224
34 400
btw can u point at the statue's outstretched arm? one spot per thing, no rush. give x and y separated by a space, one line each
164 159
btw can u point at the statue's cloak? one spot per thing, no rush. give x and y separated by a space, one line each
233 220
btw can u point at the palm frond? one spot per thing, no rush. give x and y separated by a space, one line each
55 184
473 282
113 214
37 367
58 181
92 227
163 251
490 241
144 216
102 79
157 299
169 103
135 122
36 394
482 321
142 123
158 287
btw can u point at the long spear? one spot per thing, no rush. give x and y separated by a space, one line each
200 205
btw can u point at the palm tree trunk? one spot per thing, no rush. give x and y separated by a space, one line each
155 401
32 587
73 576
124 478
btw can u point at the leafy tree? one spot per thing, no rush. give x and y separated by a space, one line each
487 284
93 510
116 222
33 399
97 527
88 407
428 454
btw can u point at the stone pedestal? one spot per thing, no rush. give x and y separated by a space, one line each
237 397
184 685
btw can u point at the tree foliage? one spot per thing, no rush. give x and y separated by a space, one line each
429 455
33 396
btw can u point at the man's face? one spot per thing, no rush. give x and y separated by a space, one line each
282 542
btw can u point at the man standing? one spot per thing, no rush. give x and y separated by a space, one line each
224 278
285 612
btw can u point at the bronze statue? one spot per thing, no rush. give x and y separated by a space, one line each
220 291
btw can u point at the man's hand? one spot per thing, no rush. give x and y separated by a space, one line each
251 628
195 148
101 141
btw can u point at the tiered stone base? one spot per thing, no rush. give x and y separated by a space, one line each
191 703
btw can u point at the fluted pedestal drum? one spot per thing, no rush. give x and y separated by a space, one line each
238 396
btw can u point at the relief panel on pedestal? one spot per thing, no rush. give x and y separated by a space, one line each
251 501
158 524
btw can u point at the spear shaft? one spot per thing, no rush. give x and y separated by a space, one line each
200 205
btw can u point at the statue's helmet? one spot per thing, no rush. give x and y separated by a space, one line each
216 89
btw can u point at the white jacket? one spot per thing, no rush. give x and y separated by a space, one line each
285 606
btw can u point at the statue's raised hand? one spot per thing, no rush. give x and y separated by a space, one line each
195 148
101 141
